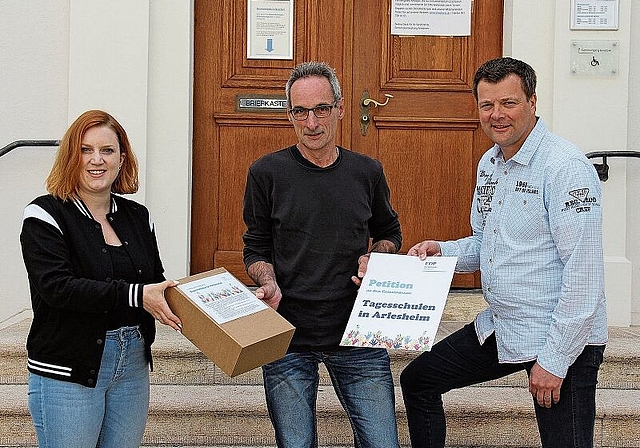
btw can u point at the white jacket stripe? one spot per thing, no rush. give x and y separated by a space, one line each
133 295
35 211
49 368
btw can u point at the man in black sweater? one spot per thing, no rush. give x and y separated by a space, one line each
311 210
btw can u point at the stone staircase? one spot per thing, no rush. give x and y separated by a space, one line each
194 404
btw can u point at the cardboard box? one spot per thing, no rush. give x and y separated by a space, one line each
238 345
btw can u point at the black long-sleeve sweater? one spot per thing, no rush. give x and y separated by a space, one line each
312 224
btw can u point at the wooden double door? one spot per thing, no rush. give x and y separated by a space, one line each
427 136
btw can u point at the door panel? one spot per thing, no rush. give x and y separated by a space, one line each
412 184
427 136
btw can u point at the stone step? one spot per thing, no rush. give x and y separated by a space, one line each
194 404
235 415
189 367
177 361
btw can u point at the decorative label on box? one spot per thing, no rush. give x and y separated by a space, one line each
400 302
222 297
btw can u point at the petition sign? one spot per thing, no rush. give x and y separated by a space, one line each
400 302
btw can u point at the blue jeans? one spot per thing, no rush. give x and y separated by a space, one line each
459 360
111 415
362 380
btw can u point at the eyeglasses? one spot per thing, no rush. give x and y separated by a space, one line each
320 111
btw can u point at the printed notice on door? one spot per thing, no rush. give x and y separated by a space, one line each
222 297
270 29
431 17
400 302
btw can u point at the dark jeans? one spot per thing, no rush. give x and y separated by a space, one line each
459 360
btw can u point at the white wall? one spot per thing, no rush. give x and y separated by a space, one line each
59 58
169 130
33 99
109 66
134 58
633 165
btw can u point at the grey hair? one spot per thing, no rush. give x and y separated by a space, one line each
498 69
314 68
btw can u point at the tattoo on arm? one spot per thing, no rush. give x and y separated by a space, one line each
261 272
384 246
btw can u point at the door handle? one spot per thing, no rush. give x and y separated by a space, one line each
375 103
365 105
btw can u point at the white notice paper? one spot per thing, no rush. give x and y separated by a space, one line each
270 29
222 297
431 17
594 14
400 302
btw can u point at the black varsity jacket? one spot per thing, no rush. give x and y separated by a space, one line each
72 285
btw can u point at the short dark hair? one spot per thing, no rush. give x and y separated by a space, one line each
496 70
314 68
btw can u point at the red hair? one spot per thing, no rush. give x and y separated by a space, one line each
64 178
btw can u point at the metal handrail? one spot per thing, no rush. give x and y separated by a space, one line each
18 143
602 168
